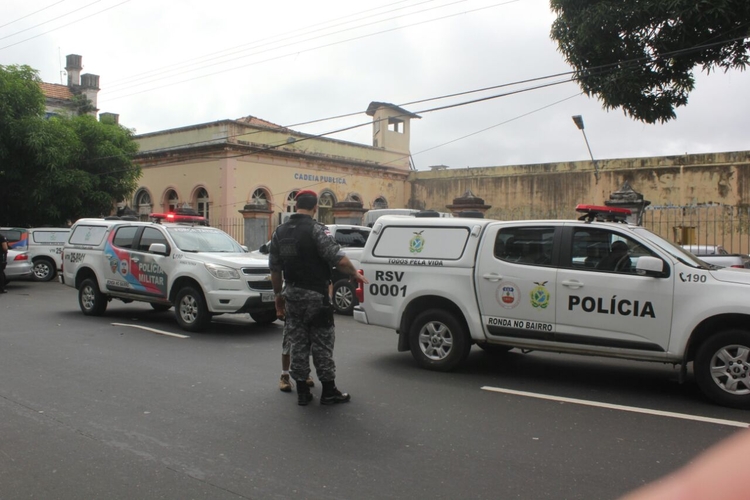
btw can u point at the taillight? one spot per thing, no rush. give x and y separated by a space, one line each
738 265
22 256
360 291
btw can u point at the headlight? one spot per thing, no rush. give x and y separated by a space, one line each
222 272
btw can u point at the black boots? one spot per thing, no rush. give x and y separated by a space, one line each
332 396
304 395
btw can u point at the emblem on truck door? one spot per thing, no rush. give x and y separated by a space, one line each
540 295
416 244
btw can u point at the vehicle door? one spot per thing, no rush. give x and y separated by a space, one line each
602 301
516 279
118 264
151 270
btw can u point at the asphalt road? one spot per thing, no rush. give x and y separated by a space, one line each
90 410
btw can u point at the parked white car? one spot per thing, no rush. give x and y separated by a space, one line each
45 245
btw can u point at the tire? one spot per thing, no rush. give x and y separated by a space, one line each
438 341
722 368
44 270
190 310
495 349
344 299
264 317
160 307
91 301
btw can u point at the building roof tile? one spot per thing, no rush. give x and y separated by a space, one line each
56 91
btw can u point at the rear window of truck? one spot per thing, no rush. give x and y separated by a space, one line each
444 243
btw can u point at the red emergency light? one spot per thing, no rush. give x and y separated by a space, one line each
602 213
173 217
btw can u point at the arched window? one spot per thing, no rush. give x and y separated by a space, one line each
201 203
259 197
291 203
143 204
379 203
325 207
171 200
355 197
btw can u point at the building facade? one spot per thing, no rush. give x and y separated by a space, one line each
251 169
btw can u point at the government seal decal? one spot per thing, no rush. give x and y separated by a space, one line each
416 244
540 295
508 294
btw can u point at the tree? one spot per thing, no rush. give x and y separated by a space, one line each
57 170
640 55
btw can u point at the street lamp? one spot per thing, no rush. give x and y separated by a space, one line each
578 119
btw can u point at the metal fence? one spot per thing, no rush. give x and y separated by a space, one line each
723 225
233 226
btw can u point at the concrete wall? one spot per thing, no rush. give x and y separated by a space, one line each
554 189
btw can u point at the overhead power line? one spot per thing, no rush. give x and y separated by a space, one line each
29 15
297 52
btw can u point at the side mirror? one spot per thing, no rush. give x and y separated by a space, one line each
158 248
245 249
263 248
650 266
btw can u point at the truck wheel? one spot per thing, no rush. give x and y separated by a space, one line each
44 270
344 299
438 341
90 299
190 310
722 368
160 307
264 317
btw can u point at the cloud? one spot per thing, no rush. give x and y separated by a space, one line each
292 61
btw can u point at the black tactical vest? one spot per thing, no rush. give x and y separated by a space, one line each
303 267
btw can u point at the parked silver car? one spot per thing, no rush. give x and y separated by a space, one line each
19 265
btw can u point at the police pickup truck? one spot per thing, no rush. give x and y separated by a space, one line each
594 286
199 270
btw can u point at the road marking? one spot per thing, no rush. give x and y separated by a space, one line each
160 332
634 409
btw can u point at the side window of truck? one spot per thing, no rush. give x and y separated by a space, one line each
124 236
525 245
149 236
602 250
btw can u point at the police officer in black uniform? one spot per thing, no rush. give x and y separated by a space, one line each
305 252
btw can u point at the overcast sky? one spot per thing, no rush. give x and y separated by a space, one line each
169 63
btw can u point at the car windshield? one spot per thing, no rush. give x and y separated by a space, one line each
203 239
675 251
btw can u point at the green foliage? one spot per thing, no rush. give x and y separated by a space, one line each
58 170
83 105
640 55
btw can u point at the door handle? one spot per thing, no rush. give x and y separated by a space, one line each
492 277
572 283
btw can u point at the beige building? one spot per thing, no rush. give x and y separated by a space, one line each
249 170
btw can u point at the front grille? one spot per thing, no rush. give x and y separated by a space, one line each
260 285
260 276
255 271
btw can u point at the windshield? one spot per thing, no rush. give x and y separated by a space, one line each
203 239
675 251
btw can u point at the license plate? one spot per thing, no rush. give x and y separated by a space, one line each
267 297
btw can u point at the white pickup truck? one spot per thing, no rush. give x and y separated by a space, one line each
199 270
578 286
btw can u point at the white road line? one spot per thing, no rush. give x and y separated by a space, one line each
160 332
633 409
